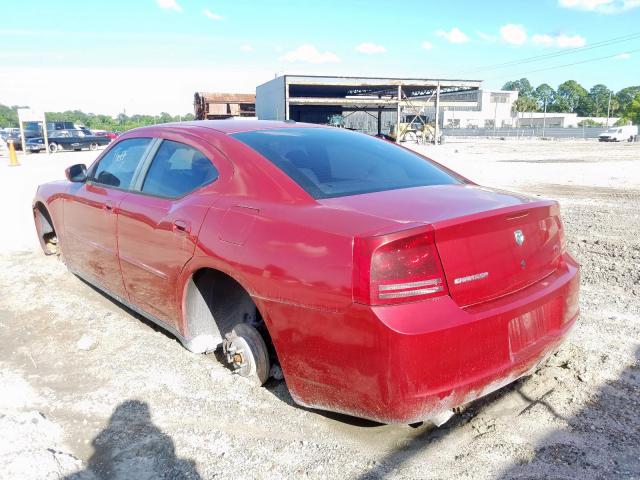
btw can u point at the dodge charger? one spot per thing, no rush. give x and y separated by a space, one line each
376 281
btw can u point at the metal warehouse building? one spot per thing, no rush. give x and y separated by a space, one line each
366 104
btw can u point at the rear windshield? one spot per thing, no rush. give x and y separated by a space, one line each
331 162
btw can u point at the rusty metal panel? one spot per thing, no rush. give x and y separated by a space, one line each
215 97
217 109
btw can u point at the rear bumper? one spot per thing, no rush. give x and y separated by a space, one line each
411 362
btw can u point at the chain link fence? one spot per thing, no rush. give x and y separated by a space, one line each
526 132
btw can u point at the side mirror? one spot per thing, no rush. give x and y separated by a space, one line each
76 173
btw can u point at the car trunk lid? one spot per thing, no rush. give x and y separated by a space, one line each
490 242
489 255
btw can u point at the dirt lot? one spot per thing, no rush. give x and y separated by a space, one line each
89 390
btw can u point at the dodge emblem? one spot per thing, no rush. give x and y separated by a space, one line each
519 236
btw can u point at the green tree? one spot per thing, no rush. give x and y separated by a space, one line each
165 118
599 96
632 112
568 96
526 101
525 104
544 94
588 122
9 115
522 86
586 107
626 96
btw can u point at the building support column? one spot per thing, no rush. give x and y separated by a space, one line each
437 125
398 114
379 118
286 100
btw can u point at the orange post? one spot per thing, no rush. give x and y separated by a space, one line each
13 158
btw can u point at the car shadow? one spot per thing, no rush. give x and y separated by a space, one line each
131 446
279 389
600 441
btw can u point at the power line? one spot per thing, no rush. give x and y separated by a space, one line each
565 65
603 43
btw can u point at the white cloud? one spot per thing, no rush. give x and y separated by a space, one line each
370 48
309 54
623 56
600 6
543 39
570 41
246 48
455 35
486 37
513 34
427 45
561 41
213 16
169 5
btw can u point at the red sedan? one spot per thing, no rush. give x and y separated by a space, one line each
382 284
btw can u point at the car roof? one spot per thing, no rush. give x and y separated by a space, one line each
231 126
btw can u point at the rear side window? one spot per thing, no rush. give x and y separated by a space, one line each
329 162
117 167
178 169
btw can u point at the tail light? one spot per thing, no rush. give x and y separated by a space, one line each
397 268
561 235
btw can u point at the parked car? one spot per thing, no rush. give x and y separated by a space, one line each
619 134
51 126
104 133
12 135
67 140
383 284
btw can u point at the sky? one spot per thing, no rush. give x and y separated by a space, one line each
150 56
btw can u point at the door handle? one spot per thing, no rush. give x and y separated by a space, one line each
181 226
108 205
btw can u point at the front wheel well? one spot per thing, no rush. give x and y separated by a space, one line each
214 303
45 229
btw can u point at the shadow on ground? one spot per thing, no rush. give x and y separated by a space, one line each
131 446
601 441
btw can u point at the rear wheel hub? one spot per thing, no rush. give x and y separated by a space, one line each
246 352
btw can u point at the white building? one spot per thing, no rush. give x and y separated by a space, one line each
565 120
495 107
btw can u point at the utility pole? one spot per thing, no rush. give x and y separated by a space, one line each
544 117
436 130
609 108
495 115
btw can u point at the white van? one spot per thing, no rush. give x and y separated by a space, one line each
619 134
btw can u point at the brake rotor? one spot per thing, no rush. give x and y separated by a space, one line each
246 352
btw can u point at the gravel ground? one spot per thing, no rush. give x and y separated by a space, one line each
90 390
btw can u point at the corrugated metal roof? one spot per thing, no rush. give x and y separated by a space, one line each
215 97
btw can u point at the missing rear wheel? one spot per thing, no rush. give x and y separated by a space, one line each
246 352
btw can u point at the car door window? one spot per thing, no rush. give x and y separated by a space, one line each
178 169
117 167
